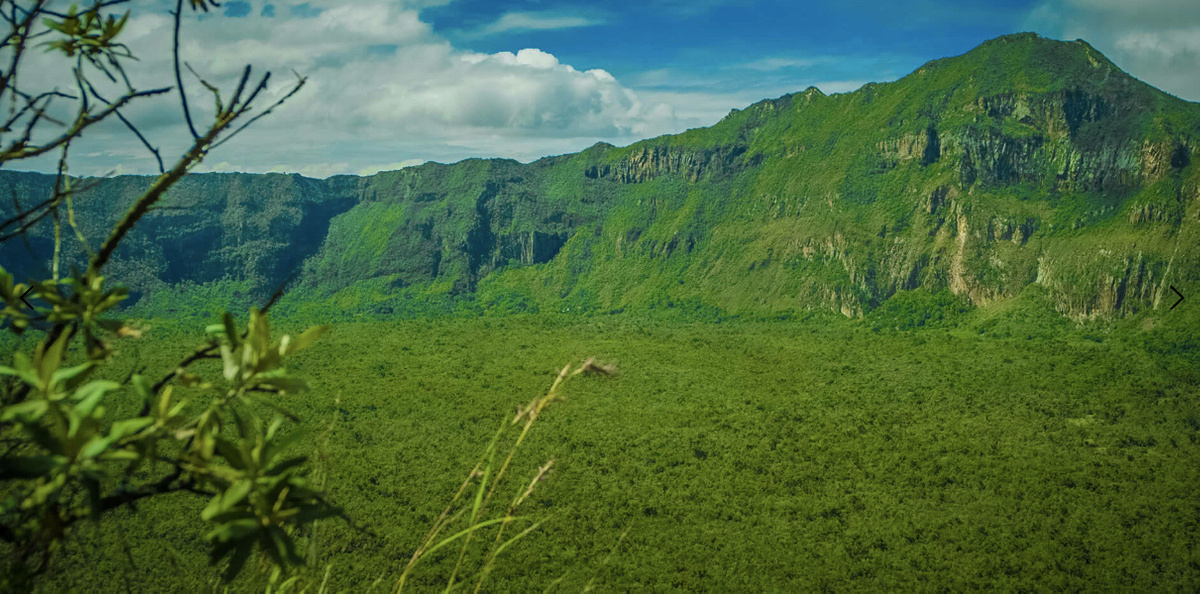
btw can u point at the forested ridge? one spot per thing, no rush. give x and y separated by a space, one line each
1026 161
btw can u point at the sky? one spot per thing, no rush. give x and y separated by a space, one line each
394 83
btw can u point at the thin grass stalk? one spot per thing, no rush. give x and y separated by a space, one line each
531 413
57 245
556 582
481 500
476 509
508 517
325 582
588 587
441 522
71 220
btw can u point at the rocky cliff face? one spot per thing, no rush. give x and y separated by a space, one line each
1026 161
692 165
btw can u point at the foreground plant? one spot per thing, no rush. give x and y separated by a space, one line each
64 461
463 517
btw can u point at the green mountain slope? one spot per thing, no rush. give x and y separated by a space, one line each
1026 161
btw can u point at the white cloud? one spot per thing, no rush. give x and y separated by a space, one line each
771 64
533 21
1157 41
383 89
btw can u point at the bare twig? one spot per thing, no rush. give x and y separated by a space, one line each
132 128
21 149
187 113
30 103
294 90
21 32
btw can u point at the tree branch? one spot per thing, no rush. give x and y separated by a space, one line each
156 191
187 113
132 128
21 32
21 150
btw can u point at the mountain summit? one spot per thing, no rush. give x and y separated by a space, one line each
1026 164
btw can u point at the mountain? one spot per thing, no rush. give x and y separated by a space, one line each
1025 164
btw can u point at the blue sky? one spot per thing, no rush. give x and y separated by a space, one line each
714 40
400 82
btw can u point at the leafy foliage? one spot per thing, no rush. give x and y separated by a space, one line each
64 461
259 495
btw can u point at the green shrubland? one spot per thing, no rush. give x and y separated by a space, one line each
756 455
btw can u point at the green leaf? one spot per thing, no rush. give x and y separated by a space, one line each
274 448
123 429
50 358
229 362
96 446
282 383
90 395
229 517
191 380
226 499
269 401
142 386
276 422
77 373
44 491
22 363
260 331
284 547
122 455
23 370
286 465
28 412
306 339
247 424
232 453
231 330
268 359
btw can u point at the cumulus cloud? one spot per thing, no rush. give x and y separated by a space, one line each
507 93
1156 40
383 89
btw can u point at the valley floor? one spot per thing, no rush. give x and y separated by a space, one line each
740 456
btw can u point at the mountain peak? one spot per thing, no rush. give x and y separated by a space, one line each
1027 62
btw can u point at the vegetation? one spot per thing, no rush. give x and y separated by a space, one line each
771 455
963 433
